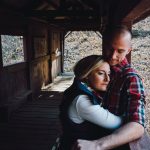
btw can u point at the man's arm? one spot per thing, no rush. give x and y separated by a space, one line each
123 135
132 130
127 133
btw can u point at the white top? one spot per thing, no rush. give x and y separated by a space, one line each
82 109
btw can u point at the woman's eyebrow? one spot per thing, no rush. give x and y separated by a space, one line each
101 70
104 71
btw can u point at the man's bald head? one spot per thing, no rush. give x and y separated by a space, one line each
117 44
117 32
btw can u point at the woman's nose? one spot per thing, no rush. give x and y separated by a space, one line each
107 78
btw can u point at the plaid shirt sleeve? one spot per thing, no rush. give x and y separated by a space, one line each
136 100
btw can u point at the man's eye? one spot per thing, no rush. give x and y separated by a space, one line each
121 51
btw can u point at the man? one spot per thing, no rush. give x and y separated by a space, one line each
125 96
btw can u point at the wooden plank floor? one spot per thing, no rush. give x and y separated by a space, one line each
35 125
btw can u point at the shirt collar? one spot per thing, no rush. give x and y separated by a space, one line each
97 96
120 67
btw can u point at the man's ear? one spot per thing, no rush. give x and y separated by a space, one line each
129 50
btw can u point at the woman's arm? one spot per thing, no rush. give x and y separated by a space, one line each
96 114
127 133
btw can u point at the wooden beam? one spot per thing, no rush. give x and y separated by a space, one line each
54 3
42 6
67 34
55 13
141 8
65 4
98 34
83 4
143 16
83 21
119 9
15 67
92 4
1 58
78 24
42 58
62 50
82 28
33 5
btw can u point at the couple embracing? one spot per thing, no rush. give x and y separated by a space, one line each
104 108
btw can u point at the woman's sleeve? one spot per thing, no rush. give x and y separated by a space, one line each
96 114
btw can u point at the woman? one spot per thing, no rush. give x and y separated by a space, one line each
81 112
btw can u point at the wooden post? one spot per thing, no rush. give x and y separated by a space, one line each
62 40
1 58
29 51
49 41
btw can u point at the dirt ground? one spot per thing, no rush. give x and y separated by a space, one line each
141 59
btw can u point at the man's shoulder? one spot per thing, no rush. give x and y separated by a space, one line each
130 72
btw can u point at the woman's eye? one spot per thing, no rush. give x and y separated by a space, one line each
100 73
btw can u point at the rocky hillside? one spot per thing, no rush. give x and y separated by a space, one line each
79 45
12 49
141 58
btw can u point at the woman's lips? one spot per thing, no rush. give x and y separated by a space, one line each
105 84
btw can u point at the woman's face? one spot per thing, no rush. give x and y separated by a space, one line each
99 78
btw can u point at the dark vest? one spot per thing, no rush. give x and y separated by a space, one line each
73 131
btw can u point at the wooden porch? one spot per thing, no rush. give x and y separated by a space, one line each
42 26
35 125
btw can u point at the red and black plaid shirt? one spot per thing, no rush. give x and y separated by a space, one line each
125 95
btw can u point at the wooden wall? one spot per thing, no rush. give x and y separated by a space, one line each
42 64
38 55
45 54
14 78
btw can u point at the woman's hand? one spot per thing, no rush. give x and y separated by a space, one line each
86 145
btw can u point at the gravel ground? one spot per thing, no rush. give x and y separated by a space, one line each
79 45
141 59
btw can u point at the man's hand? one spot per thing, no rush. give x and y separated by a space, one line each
127 133
86 145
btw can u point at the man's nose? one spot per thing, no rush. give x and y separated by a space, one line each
114 55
